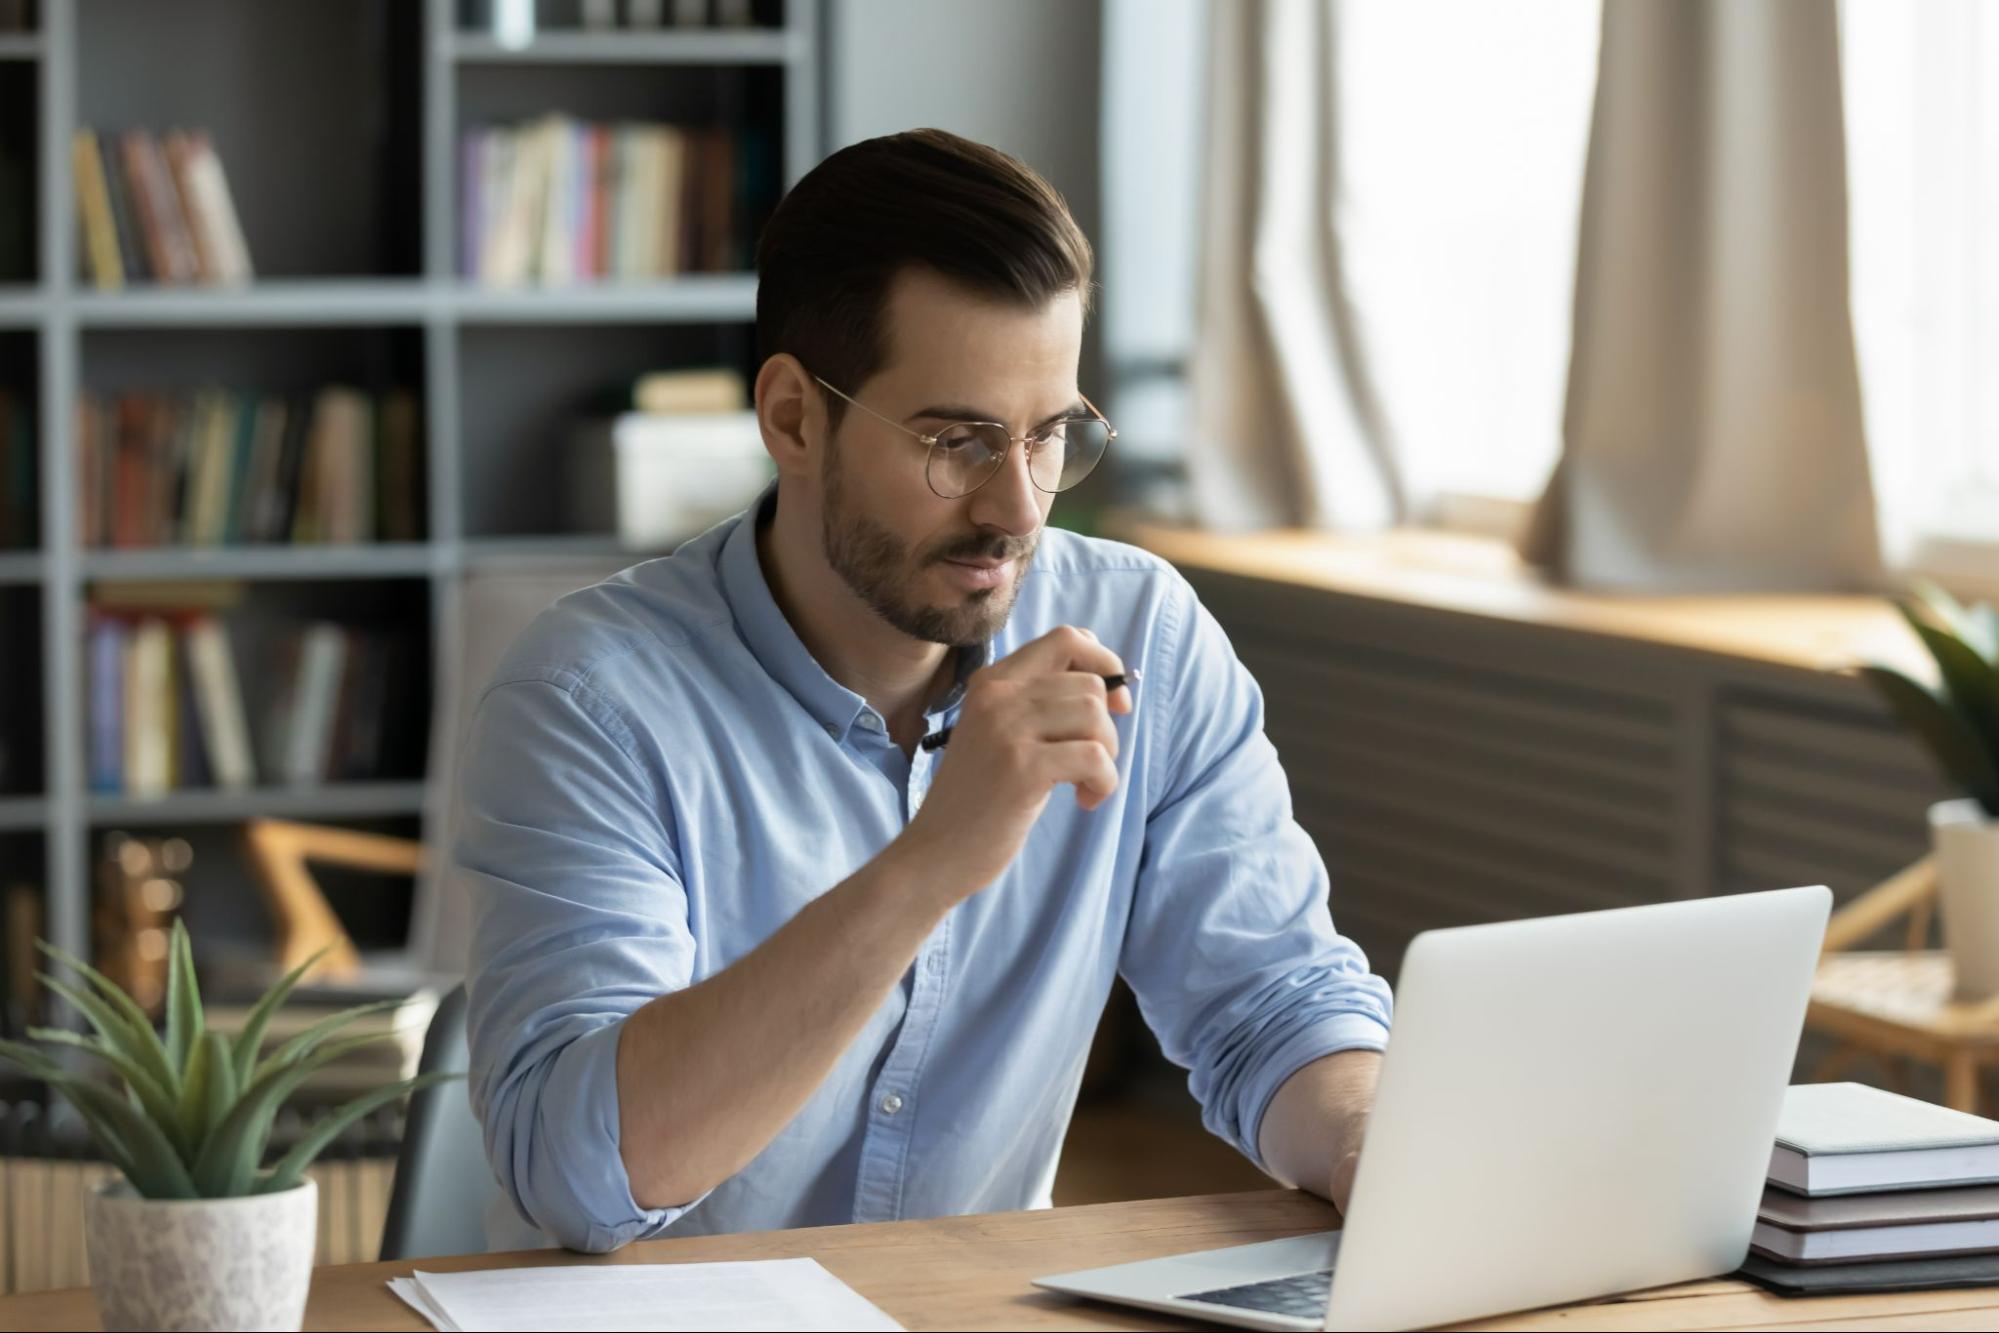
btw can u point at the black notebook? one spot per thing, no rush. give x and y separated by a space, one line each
1957 1270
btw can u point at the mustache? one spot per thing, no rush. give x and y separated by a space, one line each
981 547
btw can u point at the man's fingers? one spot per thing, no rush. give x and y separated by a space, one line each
1064 648
1077 718
1086 764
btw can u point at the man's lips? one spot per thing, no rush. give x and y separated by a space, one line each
978 574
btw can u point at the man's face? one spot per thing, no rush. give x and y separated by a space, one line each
947 571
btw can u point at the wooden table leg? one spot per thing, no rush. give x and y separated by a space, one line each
1960 1083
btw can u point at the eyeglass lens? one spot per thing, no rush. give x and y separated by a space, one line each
966 456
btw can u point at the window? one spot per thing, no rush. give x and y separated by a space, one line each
1465 127
1922 130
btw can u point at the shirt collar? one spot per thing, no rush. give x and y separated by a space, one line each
776 645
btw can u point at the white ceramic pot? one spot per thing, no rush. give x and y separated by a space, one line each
201 1263
1967 847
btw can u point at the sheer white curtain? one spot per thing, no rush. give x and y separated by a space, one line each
1922 131
1389 245
1713 436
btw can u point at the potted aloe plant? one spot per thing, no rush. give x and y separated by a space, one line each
1958 720
200 1233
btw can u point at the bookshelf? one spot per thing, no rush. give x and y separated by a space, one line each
338 124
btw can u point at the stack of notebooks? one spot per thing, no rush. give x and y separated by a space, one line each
1871 1191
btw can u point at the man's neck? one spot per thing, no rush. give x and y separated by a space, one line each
897 675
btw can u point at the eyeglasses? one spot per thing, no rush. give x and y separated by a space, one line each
965 455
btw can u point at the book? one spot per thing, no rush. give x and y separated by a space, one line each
1853 1228
124 217
212 210
146 207
149 710
1928 1274
557 200
107 704
180 165
322 661
1844 1138
220 466
104 264
219 702
717 389
399 468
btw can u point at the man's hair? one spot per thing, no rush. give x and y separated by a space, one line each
924 197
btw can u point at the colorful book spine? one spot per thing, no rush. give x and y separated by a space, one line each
555 200
219 467
156 208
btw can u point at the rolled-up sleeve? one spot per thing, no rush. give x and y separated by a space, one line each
565 853
1231 948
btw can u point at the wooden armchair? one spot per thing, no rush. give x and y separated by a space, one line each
1899 1006
280 853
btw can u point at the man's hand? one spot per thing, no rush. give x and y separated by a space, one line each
1343 1174
1312 1130
1032 721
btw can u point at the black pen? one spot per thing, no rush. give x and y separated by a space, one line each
937 740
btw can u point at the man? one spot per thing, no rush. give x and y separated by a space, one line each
746 953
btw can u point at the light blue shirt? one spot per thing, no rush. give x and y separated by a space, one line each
660 776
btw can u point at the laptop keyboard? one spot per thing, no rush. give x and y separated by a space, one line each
1301 1297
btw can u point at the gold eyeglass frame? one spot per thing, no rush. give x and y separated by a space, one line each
1027 442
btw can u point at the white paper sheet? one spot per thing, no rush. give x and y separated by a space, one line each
637 1298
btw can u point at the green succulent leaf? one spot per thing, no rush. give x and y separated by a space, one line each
207 1093
184 1024
38 1065
1952 740
33 1063
305 1042
1971 682
251 1039
149 1160
287 1170
116 1016
223 1088
227 1164
153 1097
1978 626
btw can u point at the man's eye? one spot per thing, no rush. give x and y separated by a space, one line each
959 441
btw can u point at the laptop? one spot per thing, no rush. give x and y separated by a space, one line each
1570 1108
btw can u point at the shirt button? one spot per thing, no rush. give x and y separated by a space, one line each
832 729
871 721
892 1103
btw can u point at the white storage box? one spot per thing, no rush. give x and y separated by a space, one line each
657 480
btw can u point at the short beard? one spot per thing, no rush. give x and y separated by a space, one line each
876 565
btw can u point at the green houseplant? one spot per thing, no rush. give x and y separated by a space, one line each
200 1233
1957 719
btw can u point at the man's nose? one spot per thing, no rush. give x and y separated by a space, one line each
1009 500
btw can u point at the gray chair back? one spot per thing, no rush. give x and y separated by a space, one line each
443 1184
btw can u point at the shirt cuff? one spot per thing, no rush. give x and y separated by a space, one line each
1330 1036
580 1126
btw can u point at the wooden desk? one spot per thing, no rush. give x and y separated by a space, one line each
973 1272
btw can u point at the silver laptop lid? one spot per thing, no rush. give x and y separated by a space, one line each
1576 1106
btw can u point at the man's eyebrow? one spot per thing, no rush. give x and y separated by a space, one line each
950 412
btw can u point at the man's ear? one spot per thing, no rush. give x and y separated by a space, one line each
791 414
